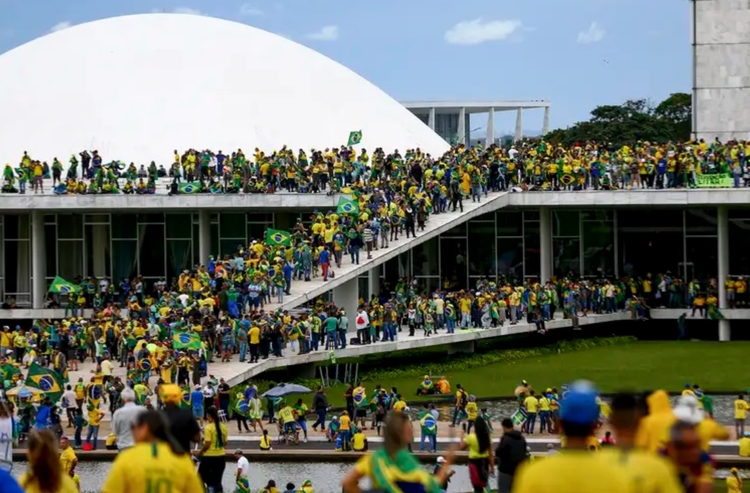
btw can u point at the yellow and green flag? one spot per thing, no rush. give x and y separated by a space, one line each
275 237
355 137
48 381
61 286
347 206
185 340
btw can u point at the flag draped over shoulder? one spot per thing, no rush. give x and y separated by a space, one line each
275 237
48 381
355 137
185 340
61 286
347 206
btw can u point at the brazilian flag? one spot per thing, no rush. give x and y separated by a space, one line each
192 187
243 485
48 381
355 137
714 313
347 206
185 397
185 340
276 237
61 286
567 179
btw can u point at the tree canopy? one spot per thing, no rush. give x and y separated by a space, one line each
632 121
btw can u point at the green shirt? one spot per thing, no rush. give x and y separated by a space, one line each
332 324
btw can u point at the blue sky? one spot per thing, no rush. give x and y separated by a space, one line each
576 53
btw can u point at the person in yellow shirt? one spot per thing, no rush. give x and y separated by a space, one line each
68 459
155 463
734 481
649 471
471 413
545 423
740 414
653 429
531 403
41 476
400 404
95 418
577 470
744 445
213 453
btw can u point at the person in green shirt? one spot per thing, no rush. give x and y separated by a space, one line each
331 325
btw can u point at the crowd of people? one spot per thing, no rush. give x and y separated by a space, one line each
525 165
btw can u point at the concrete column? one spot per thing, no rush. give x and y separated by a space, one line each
204 236
346 296
373 281
490 139
722 218
545 243
462 127
519 124
545 125
38 260
431 119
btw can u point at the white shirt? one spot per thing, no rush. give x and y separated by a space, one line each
183 299
70 396
106 368
362 316
243 465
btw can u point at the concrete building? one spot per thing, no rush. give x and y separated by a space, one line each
691 233
137 87
451 119
721 74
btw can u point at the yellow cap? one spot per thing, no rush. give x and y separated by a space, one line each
171 393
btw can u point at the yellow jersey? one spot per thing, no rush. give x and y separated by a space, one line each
531 404
740 409
344 423
734 484
67 459
152 467
648 472
744 444
211 437
29 485
573 471
473 444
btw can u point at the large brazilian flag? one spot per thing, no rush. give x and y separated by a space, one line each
276 237
347 206
192 187
61 286
48 381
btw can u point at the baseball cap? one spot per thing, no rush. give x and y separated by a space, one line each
440 460
579 405
171 393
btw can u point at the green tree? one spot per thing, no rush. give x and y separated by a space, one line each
634 120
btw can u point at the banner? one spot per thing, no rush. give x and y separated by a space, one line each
714 181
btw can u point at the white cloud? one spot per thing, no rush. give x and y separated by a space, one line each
247 9
594 34
60 26
478 31
187 10
326 33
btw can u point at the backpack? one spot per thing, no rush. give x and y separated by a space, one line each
464 398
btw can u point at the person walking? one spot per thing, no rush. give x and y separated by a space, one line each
320 405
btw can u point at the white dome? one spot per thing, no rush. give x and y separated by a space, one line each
137 87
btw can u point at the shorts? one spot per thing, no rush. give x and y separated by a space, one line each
198 412
290 427
361 413
254 302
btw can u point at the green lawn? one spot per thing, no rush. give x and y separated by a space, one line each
638 366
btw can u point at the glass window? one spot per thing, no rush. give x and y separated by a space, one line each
397 268
98 255
647 219
453 268
425 258
70 255
703 254
260 217
124 226
17 272
151 254
124 255
700 222
178 226
427 284
232 225
649 252
482 249
510 258
256 231
157 218
179 258
565 223
50 250
214 240
17 226
70 226
97 218
228 247
566 256
196 240
739 254
459 230
530 215
509 223
532 261
598 248
740 213
50 219
598 215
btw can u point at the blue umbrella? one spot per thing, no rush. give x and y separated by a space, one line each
283 389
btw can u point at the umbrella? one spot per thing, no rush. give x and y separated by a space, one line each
283 389
23 391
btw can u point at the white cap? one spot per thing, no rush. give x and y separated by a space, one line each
440 459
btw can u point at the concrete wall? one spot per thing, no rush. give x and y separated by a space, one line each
721 51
